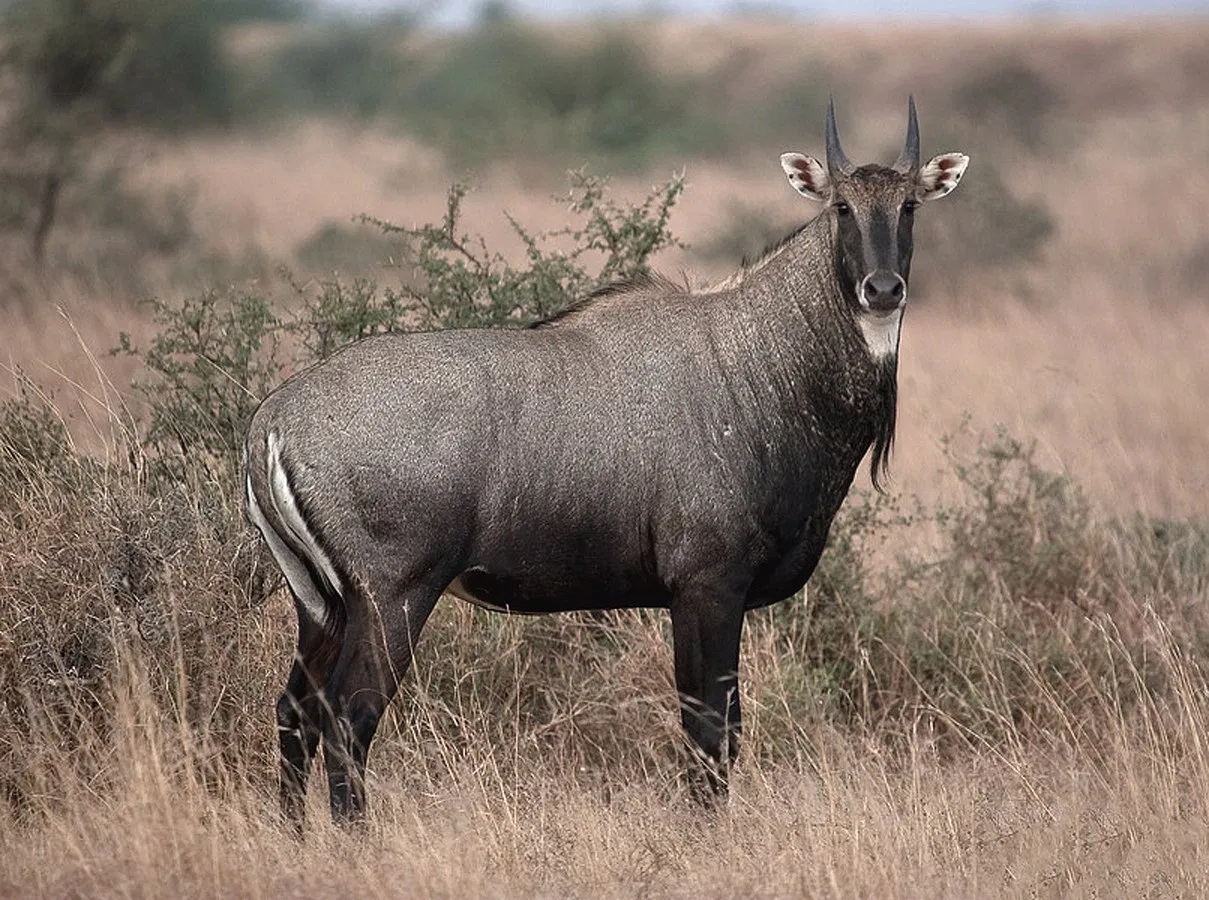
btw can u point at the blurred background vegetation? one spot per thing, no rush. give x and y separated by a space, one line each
78 75
1015 611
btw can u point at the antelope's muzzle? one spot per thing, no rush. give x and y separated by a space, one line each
883 291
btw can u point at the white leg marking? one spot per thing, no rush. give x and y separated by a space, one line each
881 332
286 506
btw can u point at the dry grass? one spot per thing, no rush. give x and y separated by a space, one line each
1096 351
539 757
1123 815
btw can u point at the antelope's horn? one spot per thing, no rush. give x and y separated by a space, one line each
837 162
908 160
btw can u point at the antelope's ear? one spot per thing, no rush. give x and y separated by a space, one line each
941 175
807 175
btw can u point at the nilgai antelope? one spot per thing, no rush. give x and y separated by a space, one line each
651 446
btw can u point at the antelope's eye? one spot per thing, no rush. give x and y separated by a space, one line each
841 208
910 205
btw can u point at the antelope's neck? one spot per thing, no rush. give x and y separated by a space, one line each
821 362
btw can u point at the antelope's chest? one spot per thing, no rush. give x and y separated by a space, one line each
796 551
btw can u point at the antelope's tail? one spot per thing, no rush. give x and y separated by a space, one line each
296 545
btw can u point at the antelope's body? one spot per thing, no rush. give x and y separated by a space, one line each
650 447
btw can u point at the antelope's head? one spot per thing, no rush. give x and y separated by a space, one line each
872 212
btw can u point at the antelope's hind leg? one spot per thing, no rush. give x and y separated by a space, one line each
300 711
378 643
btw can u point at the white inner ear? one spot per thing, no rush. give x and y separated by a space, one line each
807 175
941 175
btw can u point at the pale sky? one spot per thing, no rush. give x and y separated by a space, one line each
454 13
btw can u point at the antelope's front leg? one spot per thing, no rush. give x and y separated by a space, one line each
707 623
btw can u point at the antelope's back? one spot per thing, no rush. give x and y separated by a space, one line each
558 449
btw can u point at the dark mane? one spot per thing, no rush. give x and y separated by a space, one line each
884 421
647 281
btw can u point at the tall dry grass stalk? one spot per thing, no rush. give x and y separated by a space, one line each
1122 814
983 725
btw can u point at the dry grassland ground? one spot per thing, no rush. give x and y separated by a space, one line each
1097 350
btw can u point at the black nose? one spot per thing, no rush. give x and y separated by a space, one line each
884 290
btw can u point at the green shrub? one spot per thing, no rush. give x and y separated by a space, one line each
348 69
503 89
217 354
455 281
157 64
211 362
176 75
336 312
1022 529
